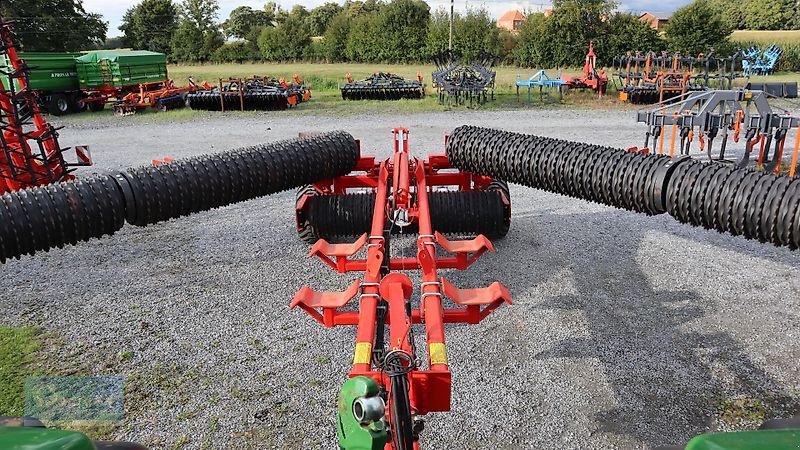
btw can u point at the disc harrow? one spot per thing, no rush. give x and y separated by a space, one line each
731 200
383 86
250 94
52 216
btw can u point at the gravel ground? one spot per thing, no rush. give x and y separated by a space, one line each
627 331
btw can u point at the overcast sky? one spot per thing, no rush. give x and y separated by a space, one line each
112 10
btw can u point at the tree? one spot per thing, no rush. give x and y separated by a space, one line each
574 24
768 14
356 8
438 35
197 36
361 39
535 47
400 31
54 25
244 22
626 33
334 41
475 33
288 41
321 17
238 52
202 13
149 25
696 28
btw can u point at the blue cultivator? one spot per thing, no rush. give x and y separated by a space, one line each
757 62
542 81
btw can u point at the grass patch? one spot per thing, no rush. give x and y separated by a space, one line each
18 347
767 37
739 410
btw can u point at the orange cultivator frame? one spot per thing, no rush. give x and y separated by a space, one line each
401 185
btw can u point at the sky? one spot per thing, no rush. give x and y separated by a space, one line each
112 10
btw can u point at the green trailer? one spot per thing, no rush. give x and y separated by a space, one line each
120 69
54 77
69 82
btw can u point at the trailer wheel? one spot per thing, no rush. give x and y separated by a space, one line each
75 104
58 105
96 106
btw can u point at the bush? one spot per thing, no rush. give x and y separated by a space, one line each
237 52
790 58
696 29
286 42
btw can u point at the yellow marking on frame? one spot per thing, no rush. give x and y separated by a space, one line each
363 353
438 353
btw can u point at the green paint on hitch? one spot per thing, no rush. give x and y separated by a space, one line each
747 440
353 435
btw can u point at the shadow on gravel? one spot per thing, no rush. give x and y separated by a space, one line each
668 381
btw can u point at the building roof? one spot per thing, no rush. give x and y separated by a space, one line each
657 15
513 14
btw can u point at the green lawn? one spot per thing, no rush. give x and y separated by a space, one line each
767 37
17 349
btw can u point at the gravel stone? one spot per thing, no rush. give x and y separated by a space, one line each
627 331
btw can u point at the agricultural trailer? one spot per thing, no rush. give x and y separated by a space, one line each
352 206
54 79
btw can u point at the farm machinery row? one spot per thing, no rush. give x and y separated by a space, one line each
258 93
352 206
651 78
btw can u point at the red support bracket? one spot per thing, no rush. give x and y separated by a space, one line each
490 298
341 252
328 302
467 252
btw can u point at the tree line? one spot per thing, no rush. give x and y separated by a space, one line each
389 31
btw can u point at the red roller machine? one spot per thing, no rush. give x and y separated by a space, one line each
389 388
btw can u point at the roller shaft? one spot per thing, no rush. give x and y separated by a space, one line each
51 216
736 201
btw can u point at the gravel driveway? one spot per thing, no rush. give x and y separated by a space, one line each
627 331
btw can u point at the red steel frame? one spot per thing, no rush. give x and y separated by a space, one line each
20 165
402 184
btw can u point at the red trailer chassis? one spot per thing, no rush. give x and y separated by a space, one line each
401 185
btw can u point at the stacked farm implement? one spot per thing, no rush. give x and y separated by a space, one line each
652 78
724 116
459 84
30 154
250 94
342 193
383 86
